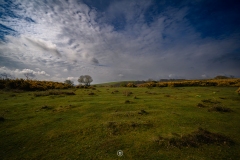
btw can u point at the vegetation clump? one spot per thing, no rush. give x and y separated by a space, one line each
143 112
195 139
31 85
219 108
53 93
46 107
200 105
210 101
127 101
189 83
2 119
91 93
131 85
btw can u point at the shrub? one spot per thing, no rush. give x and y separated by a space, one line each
131 85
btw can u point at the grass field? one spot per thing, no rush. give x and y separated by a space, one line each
158 123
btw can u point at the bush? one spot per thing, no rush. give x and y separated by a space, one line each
31 85
131 85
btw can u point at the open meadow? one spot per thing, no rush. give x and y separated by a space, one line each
145 123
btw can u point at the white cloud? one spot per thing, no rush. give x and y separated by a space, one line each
71 78
70 39
120 75
20 73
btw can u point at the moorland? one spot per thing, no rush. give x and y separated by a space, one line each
172 121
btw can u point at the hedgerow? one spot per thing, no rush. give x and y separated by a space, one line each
186 83
31 85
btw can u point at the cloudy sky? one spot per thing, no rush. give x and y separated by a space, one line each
115 40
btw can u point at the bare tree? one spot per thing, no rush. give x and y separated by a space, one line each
86 79
69 82
6 76
29 75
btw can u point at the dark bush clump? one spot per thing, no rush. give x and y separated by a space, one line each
200 105
127 101
195 139
219 108
142 112
2 119
46 107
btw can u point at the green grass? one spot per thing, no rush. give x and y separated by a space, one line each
157 123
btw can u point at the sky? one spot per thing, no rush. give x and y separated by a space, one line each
117 40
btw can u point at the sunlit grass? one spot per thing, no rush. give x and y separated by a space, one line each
96 126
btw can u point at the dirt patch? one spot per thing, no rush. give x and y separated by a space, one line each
195 139
91 93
